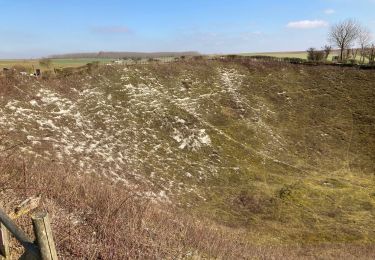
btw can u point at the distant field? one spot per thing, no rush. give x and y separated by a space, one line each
32 64
56 63
298 54
77 62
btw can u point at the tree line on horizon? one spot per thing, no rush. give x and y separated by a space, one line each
352 40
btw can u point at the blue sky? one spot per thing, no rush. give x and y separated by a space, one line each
34 28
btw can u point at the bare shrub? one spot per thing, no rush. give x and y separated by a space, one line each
315 55
327 51
370 53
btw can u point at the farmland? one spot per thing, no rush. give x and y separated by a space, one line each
31 64
273 153
81 59
57 63
295 54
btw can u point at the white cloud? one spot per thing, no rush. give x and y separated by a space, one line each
307 24
329 11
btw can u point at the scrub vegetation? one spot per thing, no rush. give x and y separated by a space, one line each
196 159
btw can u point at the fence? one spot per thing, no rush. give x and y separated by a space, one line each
43 248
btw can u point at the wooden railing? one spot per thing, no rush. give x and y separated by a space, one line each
44 246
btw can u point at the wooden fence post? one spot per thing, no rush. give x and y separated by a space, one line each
43 233
4 243
21 236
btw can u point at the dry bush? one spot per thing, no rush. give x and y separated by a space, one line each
7 82
47 74
20 68
45 62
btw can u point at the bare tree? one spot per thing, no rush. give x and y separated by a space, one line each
327 51
344 35
348 54
371 53
364 39
354 53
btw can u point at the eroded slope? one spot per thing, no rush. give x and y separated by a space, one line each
267 146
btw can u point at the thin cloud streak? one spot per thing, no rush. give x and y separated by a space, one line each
307 24
329 11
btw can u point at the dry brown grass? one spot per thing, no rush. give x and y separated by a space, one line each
93 218
98 219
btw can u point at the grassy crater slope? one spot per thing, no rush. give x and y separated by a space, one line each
285 152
